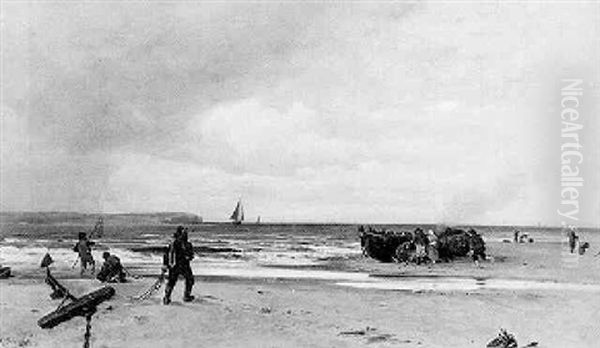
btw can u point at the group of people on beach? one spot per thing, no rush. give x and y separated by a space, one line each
176 262
575 244
425 246
521 237
111 271
572 239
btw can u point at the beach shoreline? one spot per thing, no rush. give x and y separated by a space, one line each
287 289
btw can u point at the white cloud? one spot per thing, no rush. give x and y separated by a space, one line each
346 112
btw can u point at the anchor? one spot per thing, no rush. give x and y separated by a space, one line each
84 306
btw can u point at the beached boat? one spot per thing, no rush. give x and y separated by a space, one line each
238 214
388 246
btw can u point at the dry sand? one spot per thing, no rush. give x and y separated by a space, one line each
230 312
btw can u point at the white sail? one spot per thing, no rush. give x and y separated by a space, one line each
238 213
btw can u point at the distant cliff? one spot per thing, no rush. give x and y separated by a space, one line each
90 219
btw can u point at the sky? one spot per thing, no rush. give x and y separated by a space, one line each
387 112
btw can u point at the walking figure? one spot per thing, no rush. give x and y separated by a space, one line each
84 250
177 262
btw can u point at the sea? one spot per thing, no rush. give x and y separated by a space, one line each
317 252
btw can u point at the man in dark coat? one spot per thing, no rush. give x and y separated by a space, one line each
476 246
177 262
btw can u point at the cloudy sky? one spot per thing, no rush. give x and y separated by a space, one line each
345 112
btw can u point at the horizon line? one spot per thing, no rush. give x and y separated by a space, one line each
282 222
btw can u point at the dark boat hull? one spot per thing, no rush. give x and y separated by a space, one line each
390 247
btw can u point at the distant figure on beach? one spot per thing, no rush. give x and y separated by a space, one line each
420 246
84 249
112 271
524 238
583 247
516 236
476 246
573 238
177 262
432 246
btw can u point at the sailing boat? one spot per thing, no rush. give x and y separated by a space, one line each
238 214
258 220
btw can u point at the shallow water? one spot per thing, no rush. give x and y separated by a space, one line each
267 252
24 261
448 284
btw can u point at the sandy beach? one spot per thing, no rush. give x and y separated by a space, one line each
529 289
330 174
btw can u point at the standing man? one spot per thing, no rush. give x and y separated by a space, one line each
476 246
572 239
420 241
177 262
432 246
84 249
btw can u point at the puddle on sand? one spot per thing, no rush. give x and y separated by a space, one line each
281 273
365 281
467 284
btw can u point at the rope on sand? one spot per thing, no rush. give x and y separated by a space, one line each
152 289
75 263
130 274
